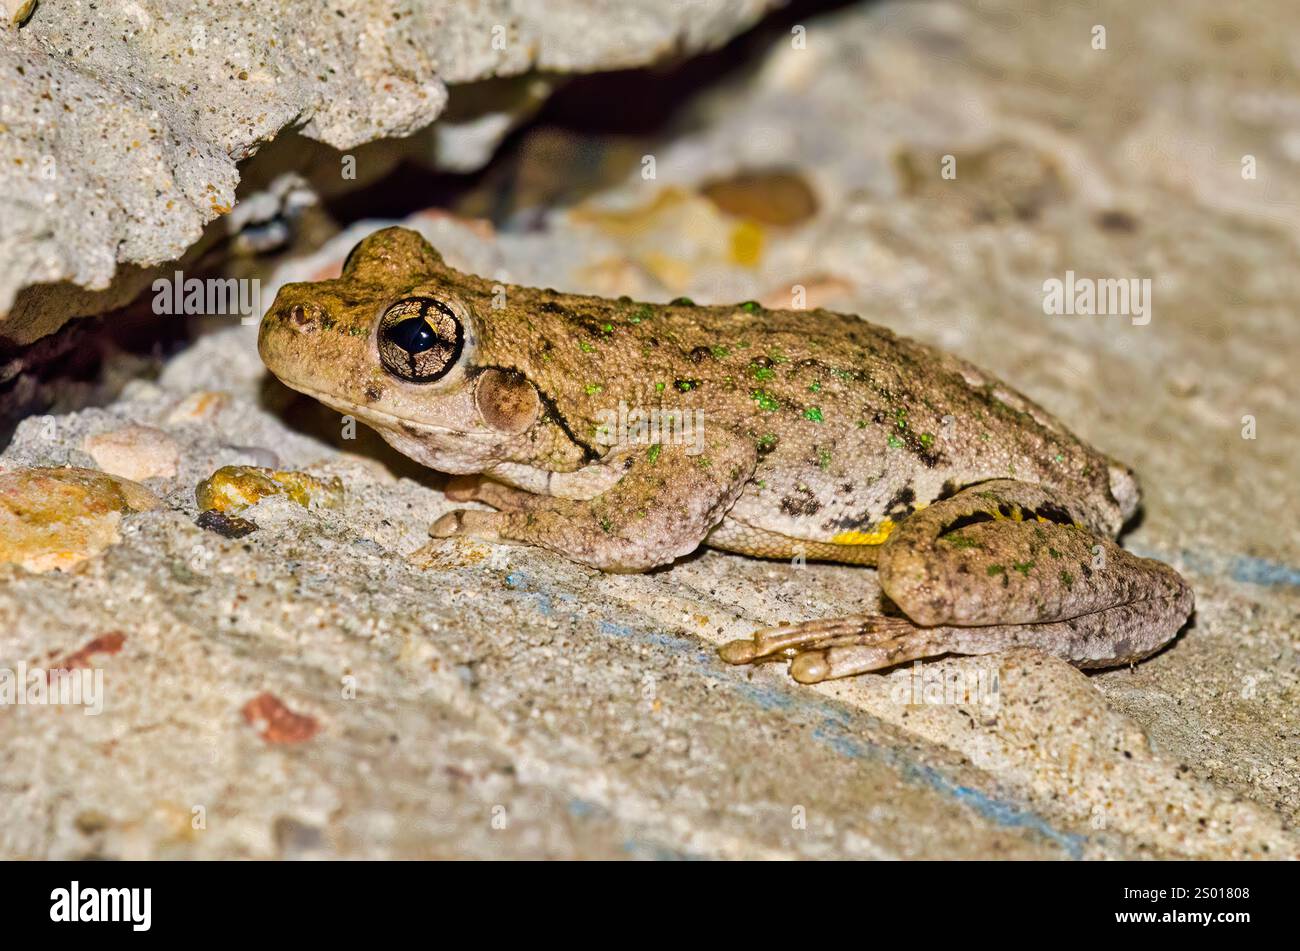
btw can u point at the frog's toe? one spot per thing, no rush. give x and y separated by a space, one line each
743 651
810 667
460 523
848 660
817 646
448 526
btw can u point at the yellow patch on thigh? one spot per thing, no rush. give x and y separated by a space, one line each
875 537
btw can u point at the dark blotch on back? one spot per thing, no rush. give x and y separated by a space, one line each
803 505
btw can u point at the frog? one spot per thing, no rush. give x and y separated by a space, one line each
813 435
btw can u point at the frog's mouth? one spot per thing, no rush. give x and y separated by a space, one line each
381 417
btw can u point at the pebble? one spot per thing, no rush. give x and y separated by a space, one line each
134 452
276 723
200 406
227 526
778 198
232 489
17 12
56 518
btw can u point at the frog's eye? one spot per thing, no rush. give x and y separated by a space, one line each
420 339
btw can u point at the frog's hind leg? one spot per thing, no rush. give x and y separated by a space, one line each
832 647
998 565
815 635
734 535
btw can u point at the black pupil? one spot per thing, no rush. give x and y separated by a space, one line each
414 335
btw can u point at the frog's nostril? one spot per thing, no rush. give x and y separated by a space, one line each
303 319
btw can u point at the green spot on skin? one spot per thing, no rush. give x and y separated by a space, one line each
681 302
718 352
961 541
586 347
895 442
767 442
751 306
1067 579
862 424
659 387
607 328
606 525
653 452
764 399
644 312
1023 567
1054 553
927 440
1059 457
813 413
997 570
815 388
776 356
593 388
761 374
823 459
685 385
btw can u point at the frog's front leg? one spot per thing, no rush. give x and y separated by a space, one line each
998 565
661 509
505 498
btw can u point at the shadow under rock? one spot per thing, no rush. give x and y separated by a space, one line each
587 136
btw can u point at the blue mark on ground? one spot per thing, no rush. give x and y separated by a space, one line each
517 581
835 722
998 811
1262 571
765 697
675 644
585 809
1002 812
1244 568
643 849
